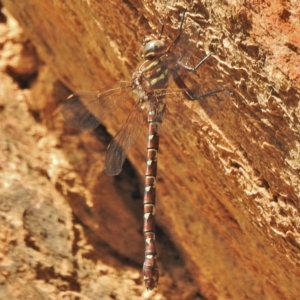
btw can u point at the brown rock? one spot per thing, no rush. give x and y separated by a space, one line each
228 186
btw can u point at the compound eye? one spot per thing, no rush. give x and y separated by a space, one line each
153 48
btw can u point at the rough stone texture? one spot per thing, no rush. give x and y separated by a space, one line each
228 186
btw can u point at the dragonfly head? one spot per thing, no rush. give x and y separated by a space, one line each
153 46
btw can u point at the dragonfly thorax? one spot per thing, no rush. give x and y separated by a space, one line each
153 73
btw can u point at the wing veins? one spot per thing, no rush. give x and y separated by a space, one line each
86 110
123 142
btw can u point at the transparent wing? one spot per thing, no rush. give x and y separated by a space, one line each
123 141
211 102
86 110
185 48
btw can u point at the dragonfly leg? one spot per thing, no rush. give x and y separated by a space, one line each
192 69
177 38
182 21
188 93
162 27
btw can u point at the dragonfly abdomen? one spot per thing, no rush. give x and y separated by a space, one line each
150 269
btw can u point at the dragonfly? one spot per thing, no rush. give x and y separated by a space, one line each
149 84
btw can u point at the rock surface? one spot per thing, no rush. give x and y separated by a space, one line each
228 183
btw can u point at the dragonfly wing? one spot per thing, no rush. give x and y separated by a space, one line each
123 141
212 102
77 115
86 110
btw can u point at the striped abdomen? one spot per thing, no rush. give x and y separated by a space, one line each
150 270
